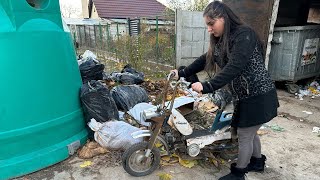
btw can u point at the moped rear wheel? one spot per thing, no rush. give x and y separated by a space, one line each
136 163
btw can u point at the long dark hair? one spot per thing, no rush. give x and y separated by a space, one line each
217 9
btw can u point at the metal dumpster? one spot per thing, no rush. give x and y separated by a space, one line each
41 120
295 54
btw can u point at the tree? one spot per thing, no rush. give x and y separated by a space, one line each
68 11
178 4
198 5
193 5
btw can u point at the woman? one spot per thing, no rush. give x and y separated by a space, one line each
237 51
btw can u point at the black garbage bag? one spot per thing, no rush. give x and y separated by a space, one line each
222 98
91 70
127 96
128 76
97 102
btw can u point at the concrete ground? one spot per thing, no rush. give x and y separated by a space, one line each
293 154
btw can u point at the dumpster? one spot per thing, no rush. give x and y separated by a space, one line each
40 112
295 54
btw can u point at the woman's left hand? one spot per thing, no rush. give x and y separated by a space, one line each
197 87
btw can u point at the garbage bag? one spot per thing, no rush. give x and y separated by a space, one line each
127 78
87 55
98 102
221 98
90 70
128 75
127 96
115 135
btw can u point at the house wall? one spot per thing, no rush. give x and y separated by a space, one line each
94 14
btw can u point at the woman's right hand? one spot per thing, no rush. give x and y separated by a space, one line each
175 72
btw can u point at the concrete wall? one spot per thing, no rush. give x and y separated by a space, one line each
192 37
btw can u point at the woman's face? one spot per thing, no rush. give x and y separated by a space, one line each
215 26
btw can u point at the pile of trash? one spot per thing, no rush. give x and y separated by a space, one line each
312 90
109 99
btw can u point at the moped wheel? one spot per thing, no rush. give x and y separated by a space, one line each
136 163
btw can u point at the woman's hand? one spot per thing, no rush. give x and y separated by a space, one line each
176 75
197 87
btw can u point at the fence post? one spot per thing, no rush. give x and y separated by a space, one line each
95 40
157 38
84 37
100 34
117 41
89 37
108 37
80 37
174 49
75 41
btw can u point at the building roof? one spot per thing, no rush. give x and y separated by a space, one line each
129 8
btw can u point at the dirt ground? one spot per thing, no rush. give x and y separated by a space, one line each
291 148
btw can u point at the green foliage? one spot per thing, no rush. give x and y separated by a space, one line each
137 50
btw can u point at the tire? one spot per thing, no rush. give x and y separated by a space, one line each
132 157
293 88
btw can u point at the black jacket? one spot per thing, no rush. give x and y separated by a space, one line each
245 74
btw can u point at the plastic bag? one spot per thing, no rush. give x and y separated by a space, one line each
127 96
90 70
98 102
90 67
87 55
114 135
128 76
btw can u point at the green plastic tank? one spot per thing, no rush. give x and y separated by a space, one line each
41 120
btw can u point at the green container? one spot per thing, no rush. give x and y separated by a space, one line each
41 120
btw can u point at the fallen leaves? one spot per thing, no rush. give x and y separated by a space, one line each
91 149
164 176
86 164
186 163
262 132
168 160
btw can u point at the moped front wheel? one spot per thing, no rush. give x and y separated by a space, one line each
136 163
